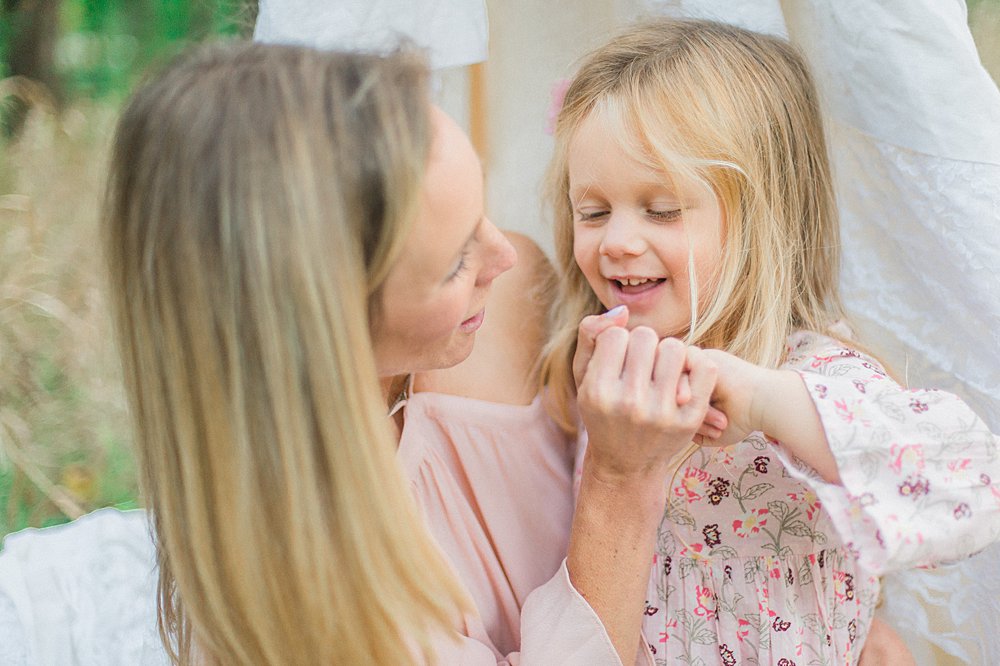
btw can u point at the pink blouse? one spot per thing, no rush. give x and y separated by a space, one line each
495 484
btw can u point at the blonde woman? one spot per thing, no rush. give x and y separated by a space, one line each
296 242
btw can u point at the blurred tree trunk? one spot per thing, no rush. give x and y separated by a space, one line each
32 46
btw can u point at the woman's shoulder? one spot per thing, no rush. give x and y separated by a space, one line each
503 364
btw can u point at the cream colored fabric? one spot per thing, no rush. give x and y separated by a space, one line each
455 32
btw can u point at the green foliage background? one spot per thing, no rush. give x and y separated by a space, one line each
103 45
64 442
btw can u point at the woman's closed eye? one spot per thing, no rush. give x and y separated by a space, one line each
460 268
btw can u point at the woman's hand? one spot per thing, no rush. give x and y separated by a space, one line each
633 401
642 400
715 421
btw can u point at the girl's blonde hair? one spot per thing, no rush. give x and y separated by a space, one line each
257 200
738 112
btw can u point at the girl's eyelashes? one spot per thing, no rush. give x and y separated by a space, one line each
590 215
659 215
665 215
460 268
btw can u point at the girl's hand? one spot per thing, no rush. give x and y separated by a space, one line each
775 402
740 391
715 421
628 397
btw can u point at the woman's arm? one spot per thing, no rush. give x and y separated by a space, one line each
638 417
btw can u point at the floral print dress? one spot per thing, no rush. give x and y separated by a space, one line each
759 561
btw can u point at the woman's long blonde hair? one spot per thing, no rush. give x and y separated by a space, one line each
258 197
738 112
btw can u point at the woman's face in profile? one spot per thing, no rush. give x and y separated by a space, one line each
434 299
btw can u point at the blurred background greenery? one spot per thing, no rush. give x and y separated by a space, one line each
65 67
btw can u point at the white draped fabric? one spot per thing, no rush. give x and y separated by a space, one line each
83 593
453 31
914 127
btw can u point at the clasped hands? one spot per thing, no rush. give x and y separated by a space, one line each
643 400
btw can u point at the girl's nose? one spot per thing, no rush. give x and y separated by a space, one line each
621 237
499 255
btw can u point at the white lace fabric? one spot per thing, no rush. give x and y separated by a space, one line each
82 593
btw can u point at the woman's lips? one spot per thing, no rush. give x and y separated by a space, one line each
472 324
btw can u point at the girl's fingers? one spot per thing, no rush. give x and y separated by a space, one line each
702 376
709 431
641 354
586 339
668 367
716 418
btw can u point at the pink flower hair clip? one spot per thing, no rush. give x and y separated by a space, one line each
558 95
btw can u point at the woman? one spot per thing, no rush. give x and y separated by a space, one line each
295 238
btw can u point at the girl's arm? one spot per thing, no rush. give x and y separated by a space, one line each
916 471
775 402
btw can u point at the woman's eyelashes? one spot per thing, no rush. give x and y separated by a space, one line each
460 268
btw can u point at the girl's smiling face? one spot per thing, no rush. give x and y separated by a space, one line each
633 228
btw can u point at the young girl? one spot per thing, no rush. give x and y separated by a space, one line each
692 197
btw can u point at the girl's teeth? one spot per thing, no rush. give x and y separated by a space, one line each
633 282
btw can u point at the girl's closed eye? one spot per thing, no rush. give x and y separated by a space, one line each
590 215
665 215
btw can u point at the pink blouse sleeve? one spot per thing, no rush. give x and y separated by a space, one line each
558 626
920 470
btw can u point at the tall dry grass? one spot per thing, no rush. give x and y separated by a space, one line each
63 443
63 429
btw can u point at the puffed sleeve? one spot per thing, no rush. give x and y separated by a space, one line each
558 626
919 468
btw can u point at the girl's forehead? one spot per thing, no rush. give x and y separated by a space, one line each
617 127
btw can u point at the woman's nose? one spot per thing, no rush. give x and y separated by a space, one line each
500 255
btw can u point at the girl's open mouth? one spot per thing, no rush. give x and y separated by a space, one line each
636 285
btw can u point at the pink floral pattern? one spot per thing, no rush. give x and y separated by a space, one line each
760 562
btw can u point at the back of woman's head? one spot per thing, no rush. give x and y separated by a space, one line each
258 196
736 111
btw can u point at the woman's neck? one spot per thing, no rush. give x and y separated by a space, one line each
393 386
394 390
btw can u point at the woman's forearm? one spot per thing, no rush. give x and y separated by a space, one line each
611 550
